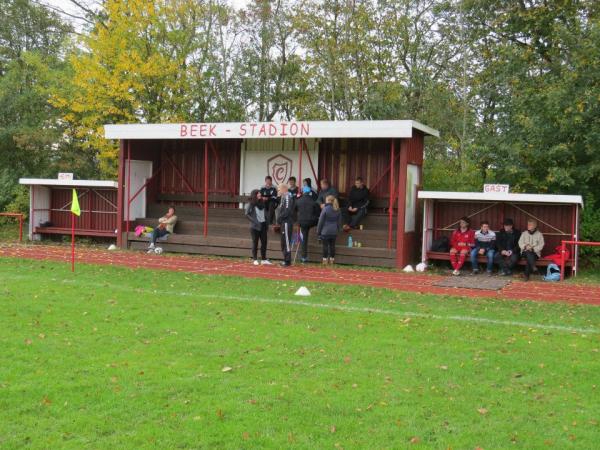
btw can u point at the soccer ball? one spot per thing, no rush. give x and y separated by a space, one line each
112 247
158 250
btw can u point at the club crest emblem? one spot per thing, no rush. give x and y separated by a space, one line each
279 167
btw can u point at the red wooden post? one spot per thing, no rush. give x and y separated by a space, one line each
300 162
391 204
205 188
120 194
401 207
128 190
21 228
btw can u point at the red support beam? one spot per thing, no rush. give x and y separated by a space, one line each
300 145
128 191
205 188
401 207
391 204
312 167
120 194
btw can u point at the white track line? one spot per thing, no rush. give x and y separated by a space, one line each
479 320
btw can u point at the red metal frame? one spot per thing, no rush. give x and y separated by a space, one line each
563 250
391 204
18 216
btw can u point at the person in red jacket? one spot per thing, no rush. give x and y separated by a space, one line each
461 243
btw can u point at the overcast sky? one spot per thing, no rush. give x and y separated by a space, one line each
70 8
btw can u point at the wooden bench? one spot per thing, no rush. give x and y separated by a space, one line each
78 232
445 256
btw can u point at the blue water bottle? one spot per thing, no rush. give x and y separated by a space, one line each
350 242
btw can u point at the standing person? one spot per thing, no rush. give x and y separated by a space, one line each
307 212
166 225
358 201
293 188
531 244
485 244
308 182
330 223
255 213
326 189
269 195
507 243
285 219
461 242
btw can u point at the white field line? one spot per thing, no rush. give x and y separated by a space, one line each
344 308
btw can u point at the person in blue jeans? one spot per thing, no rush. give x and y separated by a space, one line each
485 244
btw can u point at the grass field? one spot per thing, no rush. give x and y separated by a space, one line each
117 358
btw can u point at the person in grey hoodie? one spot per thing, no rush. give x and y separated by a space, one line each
330 224
531 244
255 213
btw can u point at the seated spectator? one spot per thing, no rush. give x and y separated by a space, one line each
358 201
308 182
326 190
292 187
307 212
485 244
268 194
461 243
507 245
531 244
166 224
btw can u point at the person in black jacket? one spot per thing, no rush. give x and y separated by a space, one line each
330 223
326 189
255 212
285 220
269 195
307 212
358 201
313 193
293 187
507 243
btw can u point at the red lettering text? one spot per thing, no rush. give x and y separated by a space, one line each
211 130
283 125
243 129
194 130
253 126
304 129
263 130
293 128
183 130
272 130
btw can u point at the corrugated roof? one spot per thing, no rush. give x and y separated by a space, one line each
68 183
270 130
501 197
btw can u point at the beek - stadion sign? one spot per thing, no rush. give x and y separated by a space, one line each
244 130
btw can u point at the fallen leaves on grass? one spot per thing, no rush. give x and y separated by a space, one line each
333 429
226 369
415 440
46 401
482 411
220 414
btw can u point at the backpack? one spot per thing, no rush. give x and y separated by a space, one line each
441 244
552 273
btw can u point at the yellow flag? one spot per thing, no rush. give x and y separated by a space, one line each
75 204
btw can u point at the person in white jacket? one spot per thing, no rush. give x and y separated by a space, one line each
531 244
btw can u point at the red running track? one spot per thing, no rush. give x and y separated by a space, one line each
421 283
